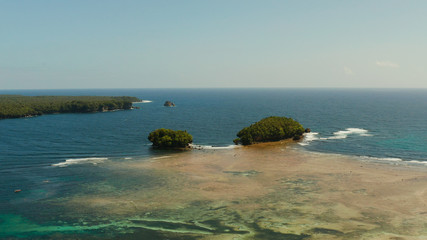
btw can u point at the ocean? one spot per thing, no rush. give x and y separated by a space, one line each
53 157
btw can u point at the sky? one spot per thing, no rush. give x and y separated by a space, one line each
212 44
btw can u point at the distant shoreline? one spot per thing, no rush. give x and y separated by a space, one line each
19 106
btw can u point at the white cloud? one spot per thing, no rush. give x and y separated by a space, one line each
348 71
387 64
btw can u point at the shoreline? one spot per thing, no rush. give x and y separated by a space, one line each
21 106
269 191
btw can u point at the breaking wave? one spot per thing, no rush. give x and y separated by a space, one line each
143 101
72 161
392 159
161 157
348 131
308 138
207 147
313 136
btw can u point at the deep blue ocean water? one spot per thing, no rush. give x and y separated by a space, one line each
379 124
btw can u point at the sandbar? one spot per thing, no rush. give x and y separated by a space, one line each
268 191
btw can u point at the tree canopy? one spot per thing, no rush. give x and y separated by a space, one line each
167 138
270 129
15 106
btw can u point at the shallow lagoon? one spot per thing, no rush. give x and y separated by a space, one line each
268 191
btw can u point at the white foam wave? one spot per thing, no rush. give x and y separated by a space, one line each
308 138
128 158
212 147
418 162
313 136
344 133
389 159
393 159
154 158
72 161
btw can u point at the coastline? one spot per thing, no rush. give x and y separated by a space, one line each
21 106
268 191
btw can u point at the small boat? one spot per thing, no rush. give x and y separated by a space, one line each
17 190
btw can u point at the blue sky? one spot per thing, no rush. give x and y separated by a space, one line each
146 44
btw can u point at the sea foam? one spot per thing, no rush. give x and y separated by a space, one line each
161 157
207 147
308 138
393 159
388 159
72 161
343 134
142 101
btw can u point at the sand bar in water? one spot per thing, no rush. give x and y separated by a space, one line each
267 191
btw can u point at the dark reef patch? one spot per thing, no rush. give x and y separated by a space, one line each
326 231
268 234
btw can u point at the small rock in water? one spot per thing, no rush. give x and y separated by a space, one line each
169 104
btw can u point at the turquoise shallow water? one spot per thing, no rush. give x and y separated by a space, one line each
55 156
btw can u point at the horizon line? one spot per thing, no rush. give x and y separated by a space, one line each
202 88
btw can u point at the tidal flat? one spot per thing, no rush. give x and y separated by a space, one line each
264 191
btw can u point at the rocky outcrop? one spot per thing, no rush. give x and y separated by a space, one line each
169 104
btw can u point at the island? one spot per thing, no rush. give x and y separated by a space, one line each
17 106
270 129
169 104
168 138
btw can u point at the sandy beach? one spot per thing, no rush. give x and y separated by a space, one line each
268 191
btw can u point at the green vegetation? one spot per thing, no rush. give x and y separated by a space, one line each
167 138
15 106
270 129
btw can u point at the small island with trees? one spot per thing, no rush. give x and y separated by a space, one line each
270 129
17 106
167 138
